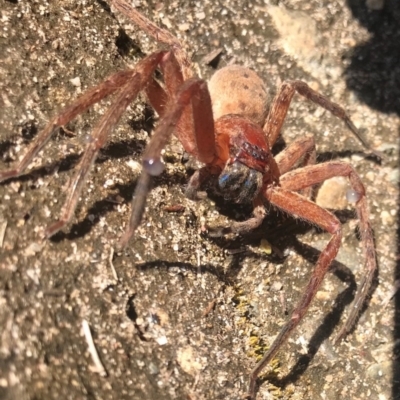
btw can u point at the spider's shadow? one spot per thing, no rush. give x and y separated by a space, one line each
330 321
374 70
373 74
28 131
106 205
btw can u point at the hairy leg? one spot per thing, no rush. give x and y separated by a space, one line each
281 103
295 204
80 105
159 34
301 147
312 175
141 76
193 93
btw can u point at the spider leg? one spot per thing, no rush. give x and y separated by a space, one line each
312 175
173 80
303 147
242 227
193 188
297 205
157 97
159 34
139 77
281 103
195 127
92 96
284 198
194 94
259 213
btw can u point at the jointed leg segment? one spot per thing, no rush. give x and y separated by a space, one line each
191 93
281 103
80 105
286 198
296 204
301 147
130 90
312 175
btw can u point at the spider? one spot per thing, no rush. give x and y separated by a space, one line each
230 126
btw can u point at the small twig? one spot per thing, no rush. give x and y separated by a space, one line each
3 227
209 308
174 208
282 299
198 254
391 294
68 132
92 349
110 259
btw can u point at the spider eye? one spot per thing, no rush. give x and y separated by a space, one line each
153 166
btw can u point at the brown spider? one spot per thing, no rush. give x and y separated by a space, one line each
229 126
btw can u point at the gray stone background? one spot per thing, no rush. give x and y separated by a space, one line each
149 325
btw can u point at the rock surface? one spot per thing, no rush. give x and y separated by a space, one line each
179 314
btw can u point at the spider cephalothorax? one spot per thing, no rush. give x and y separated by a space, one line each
248 166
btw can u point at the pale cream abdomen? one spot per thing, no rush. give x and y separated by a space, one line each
239 90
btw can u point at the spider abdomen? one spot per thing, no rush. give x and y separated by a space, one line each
238 90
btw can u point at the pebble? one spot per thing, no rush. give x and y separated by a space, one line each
386 218
375 5
332 194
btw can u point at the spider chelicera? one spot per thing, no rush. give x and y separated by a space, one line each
229 125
